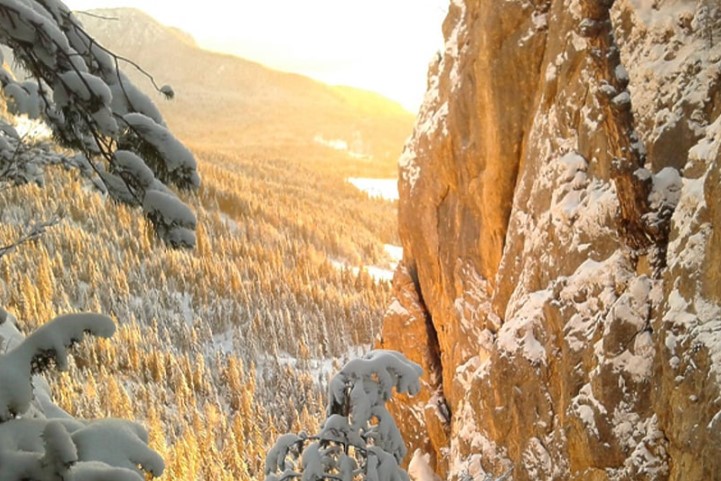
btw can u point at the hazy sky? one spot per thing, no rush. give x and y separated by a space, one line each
380 45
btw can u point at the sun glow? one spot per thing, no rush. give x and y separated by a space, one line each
378 45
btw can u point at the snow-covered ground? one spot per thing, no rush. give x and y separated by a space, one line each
32 129
335 144
319 368
354 150
323 368
395 253
382 273
382 188
379 274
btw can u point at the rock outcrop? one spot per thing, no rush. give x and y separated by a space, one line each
560 214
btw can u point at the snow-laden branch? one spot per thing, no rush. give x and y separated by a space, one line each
359 436
41 442
93 107
47 345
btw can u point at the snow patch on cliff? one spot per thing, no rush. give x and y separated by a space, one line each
469 438
519 331
590 290
419 469
537 460
473 305
586 407
455 45
695 317
673 62
580 206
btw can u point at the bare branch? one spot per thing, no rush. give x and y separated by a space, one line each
119 58
94 15
34 232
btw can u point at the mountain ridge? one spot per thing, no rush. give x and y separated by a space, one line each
247 102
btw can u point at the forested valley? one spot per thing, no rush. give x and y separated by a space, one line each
221 347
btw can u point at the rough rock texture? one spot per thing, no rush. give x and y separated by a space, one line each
560 214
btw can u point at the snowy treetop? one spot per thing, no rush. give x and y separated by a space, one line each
359 437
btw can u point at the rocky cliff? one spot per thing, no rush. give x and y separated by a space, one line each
560 215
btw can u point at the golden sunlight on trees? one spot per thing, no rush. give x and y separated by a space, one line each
260 284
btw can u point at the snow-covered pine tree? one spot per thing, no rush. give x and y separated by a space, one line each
41 442
359 439
78 89
120 141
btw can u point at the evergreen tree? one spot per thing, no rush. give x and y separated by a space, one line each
93 108
41 442
359 439
122 144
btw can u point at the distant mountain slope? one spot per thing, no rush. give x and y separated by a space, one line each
244 105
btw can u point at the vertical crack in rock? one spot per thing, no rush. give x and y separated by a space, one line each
529 219
408 327
640 228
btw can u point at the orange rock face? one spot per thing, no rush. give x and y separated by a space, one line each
559 214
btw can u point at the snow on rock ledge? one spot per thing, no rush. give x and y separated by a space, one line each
553 347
